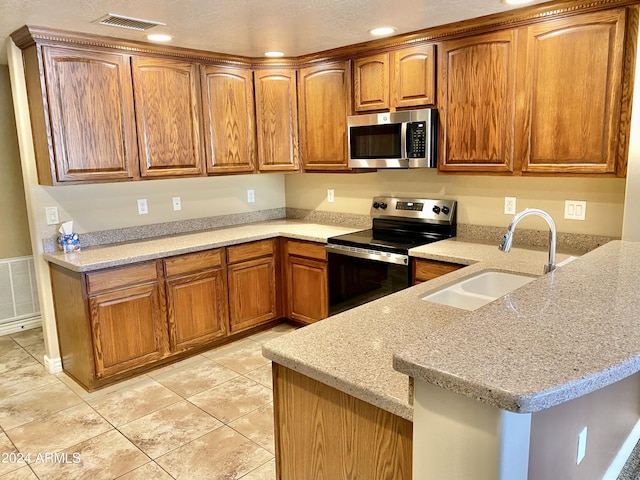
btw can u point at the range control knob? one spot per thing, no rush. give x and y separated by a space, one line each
445 210
376 205
383 205
436 209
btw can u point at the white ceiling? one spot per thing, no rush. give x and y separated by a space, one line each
246 27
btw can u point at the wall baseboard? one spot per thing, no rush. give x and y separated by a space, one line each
53 365
20 325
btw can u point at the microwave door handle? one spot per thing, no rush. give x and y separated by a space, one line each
403 140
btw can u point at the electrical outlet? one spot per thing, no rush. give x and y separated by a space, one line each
177 205
251 196
142 206
330 195
582 445
52 215
575 209
509 205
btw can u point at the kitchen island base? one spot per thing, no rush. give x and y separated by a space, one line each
324 434
457 437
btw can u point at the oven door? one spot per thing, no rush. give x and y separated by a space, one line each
356 277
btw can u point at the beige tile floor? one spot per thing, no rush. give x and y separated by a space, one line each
209 417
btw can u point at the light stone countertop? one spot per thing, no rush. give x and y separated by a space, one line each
560 337
354 351
95 258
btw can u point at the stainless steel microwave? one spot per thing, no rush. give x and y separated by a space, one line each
404 139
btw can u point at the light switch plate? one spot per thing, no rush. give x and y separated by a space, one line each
177 204
330 195
52 215
575 209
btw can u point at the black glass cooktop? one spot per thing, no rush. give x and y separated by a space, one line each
383 241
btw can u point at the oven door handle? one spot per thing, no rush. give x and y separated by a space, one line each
368 254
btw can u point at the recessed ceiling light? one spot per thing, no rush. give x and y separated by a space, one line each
516 2
274 54
159 37
378 32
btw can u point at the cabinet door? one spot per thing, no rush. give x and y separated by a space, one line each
424 270
252 293
167 102
371 83
196 307
307 289
92 125
573 95
276 119
477 103
413 81
325 103
127 326
229 125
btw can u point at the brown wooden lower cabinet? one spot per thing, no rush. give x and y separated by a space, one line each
196 299
306 281
252 284
424 270
109 322
127 327
324 434
118 322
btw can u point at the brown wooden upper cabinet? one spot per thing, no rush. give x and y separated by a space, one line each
477 103
324 103
572 89
276 119
88 132
229 119
402 78
167 104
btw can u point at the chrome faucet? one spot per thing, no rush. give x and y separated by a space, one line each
505 243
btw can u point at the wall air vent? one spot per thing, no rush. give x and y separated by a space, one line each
114 20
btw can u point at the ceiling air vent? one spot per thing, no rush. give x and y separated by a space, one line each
114 20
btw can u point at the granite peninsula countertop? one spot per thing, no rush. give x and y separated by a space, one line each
560 337
354 350
95 258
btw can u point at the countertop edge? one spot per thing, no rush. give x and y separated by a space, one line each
519 402
385 402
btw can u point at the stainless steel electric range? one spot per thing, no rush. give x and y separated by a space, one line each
372 263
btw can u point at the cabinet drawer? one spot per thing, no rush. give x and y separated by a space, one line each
193 262
429 269
121 277
248 251
307 249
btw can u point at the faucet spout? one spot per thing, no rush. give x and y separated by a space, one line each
505 243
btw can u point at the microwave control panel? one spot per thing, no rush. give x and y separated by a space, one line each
416 139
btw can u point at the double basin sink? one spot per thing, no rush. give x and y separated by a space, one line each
477 290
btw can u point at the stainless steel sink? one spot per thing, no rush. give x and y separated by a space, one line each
477 290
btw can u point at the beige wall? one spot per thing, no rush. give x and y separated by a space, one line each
481 198
114 205
631 226
13 211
